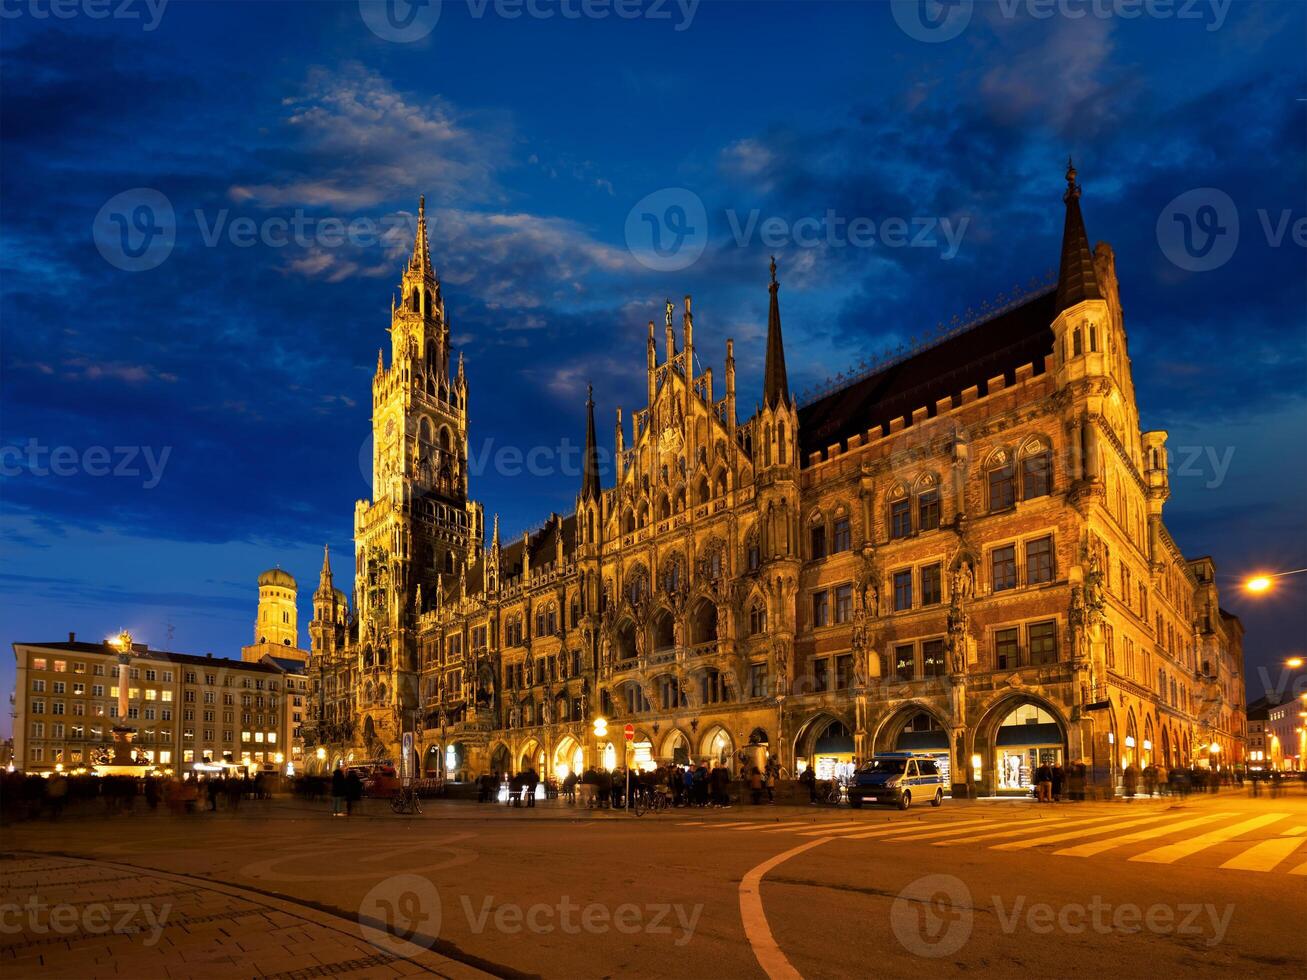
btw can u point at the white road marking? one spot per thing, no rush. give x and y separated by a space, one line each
924 830
834 826
1022 830
765 950
1020 845
1265 855
1173 852
1098 846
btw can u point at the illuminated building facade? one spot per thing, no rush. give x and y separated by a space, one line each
960 551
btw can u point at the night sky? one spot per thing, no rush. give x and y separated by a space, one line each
171 431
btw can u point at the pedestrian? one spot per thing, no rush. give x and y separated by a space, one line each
338 793
569 788
1150 780
353 791
1057 777
771 774
532 780
1043 783
755 786
1130 780
808 778
212 788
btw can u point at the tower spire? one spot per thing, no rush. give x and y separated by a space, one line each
421 259
1076 279
590 465
776 388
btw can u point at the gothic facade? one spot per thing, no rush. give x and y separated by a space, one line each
961 551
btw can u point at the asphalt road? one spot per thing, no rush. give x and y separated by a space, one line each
1206 886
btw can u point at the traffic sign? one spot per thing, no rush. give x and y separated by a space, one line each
629 731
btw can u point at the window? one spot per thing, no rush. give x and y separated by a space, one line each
843 535
932 658
1043 642
1039 561
1002 487
1004 568
758 680
903 589
928 510
820 608
843 603
38 686
930 588
757 619
821 674
1006 649
817 537
844 671
1036 475
754 556
900 519
903 662
38 663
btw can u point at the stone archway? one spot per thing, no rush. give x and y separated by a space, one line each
918 727
676 748
1015 735
432 765
528 754
569 757
501 759
824 741
717 746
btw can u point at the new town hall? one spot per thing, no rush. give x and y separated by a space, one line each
960 552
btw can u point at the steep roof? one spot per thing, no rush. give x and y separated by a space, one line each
1019 335
775 384
1077 280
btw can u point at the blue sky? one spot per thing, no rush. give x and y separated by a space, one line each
242 367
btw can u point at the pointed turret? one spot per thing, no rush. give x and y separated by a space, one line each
324 578
775 387
1076 279
590 465
420 261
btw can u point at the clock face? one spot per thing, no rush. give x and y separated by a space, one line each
390 427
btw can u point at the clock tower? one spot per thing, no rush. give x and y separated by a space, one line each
419 531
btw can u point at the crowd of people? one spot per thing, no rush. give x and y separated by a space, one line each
26 796
701 785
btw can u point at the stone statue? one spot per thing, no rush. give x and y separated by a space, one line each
781 653
964 582
1094 598
861 678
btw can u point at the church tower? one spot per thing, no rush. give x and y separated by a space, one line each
277 623
419 531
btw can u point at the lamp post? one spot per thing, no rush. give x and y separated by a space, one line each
1265 581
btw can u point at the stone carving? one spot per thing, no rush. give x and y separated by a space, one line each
781 657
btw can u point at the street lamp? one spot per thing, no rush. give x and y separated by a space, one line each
1265 581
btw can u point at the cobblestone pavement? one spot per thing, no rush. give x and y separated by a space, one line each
66 917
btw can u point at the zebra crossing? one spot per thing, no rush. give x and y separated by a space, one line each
1265 842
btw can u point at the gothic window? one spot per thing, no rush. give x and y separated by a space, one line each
900 517
781 444
903 590
1036 473
843 535
928 510
757 618
1003 568
1002 483
817 538
1039 561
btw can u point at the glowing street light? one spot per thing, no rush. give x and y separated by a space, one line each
1265 581
1294 662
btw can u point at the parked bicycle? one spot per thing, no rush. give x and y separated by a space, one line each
650 801
406 800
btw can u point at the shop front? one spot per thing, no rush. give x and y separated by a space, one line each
1026 738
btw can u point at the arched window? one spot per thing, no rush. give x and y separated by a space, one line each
757 618
1001 476
781 444
1036 471
414 303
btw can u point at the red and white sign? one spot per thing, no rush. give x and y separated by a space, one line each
629 732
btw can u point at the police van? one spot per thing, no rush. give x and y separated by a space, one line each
900 778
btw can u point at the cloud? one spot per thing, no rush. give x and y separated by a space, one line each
352 140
